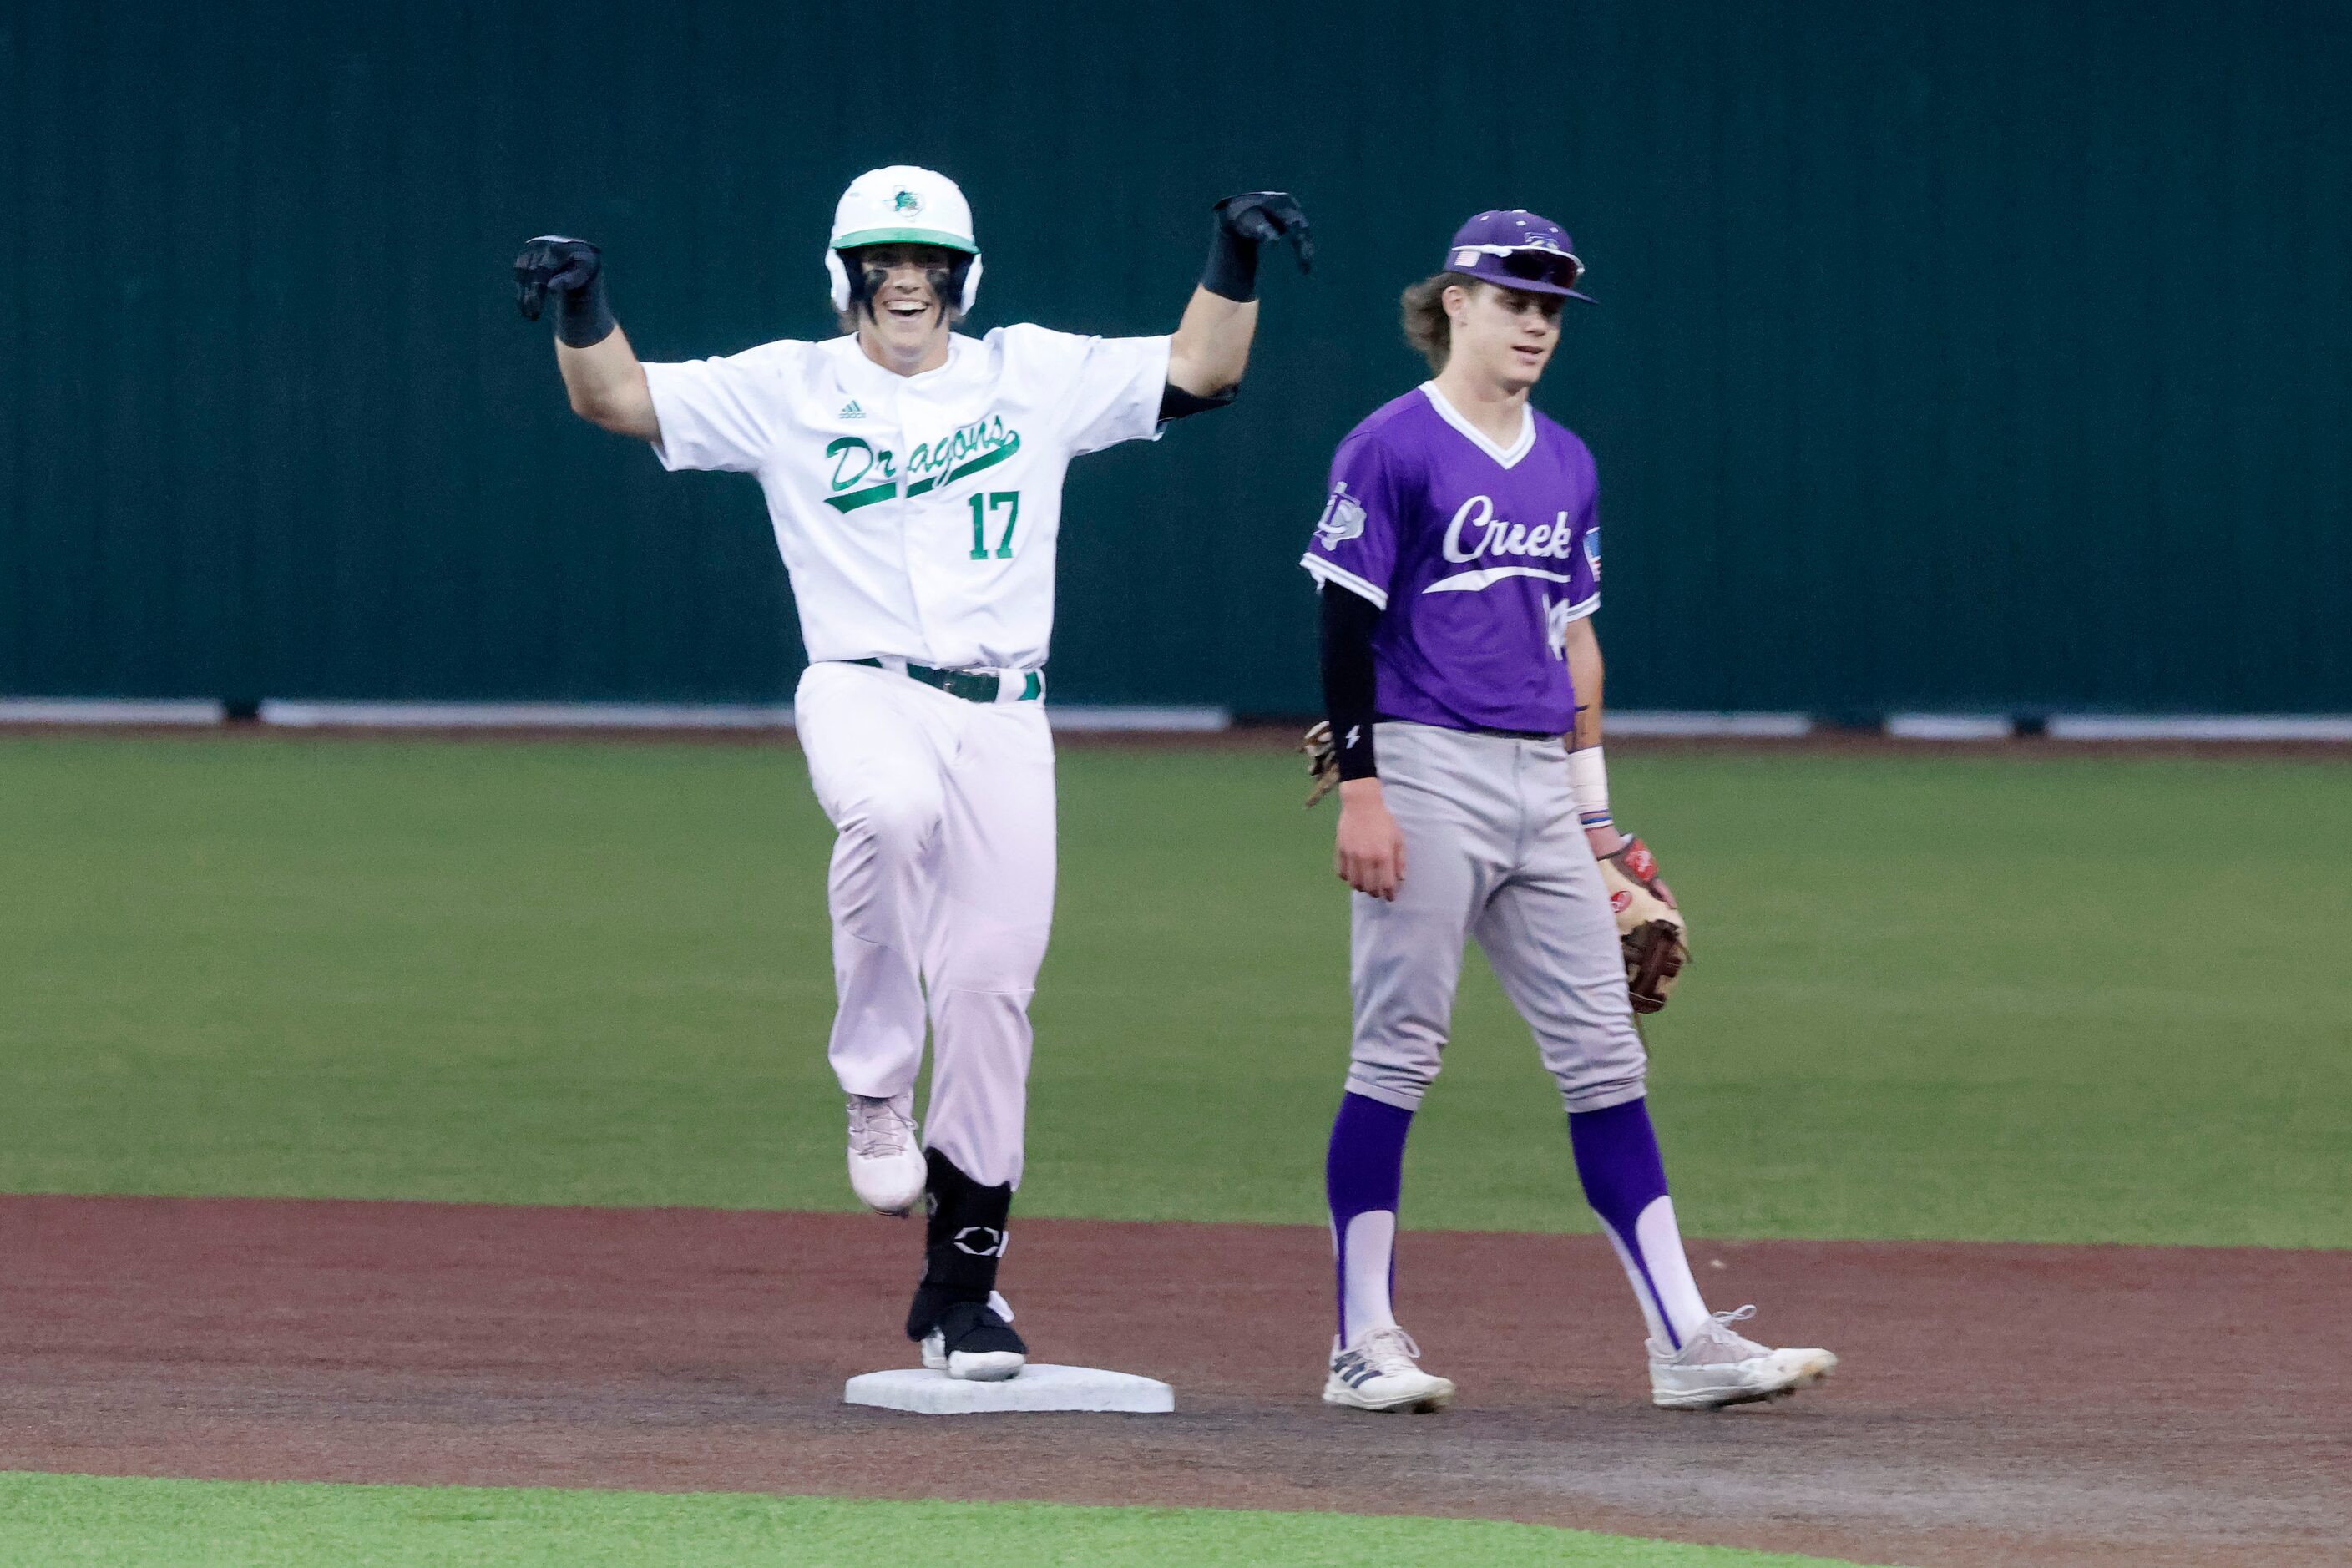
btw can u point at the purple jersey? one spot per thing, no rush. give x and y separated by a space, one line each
1479 556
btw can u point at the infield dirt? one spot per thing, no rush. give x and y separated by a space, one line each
1995 1403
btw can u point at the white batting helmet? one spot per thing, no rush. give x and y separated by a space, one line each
902 205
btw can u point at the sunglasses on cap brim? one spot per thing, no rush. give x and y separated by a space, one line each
1534 264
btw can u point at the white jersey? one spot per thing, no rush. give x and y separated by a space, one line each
918 514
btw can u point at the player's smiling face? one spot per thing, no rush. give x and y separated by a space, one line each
1505 334
906 287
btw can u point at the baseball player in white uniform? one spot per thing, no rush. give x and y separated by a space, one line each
913 478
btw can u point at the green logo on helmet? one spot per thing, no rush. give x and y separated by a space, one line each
905 202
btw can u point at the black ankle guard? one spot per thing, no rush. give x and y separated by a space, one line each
963 1241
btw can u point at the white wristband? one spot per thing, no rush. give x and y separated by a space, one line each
1588 779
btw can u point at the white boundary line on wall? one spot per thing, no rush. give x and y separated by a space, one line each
1073 717
1676 721
1079 717
525 716
108 711
2199 727
1091 718
1950 726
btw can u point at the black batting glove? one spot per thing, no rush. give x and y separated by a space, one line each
1246 222
573 270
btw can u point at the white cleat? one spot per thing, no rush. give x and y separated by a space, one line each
984 1347
1381 1371
1719 1367
885 1160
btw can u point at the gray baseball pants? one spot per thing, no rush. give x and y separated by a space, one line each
1493 850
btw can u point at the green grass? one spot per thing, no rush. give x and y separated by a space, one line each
1974 997
47 1521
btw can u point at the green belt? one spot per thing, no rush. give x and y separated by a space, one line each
973 686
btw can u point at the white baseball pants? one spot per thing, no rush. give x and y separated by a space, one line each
943 895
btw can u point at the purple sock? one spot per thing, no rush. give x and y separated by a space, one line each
1363 1176
1625 1182
1617 1159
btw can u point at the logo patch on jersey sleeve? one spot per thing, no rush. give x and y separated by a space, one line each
1342 519
1556 619
1592 550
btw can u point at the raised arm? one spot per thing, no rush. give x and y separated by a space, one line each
601 372
1211 349
607 386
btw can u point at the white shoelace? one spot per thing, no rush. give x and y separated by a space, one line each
878 1127
1389 1350
1716 1344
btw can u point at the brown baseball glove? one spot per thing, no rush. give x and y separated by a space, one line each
1655 935
1322 761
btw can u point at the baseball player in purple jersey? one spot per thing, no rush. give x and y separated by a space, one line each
1458 560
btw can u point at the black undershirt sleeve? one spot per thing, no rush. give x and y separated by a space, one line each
1175 403
1350 690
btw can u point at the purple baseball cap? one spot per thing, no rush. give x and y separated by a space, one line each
1518 249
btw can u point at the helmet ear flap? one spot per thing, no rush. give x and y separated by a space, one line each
839 275
971 286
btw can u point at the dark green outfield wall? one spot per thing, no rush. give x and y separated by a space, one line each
1990 353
